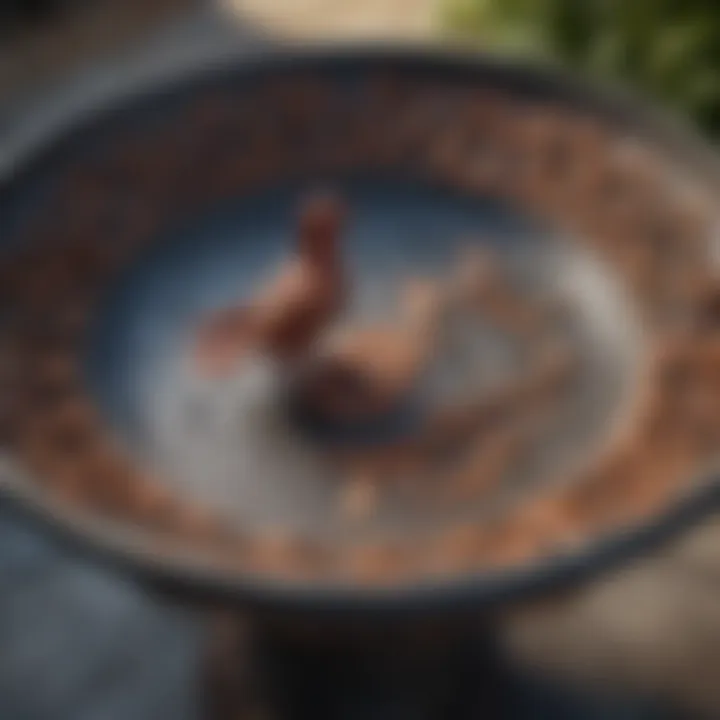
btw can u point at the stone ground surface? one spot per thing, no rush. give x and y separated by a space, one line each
653 627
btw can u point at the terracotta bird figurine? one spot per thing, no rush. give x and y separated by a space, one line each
290 313
364 371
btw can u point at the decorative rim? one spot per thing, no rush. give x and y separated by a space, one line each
133 548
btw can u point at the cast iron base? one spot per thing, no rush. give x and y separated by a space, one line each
262 672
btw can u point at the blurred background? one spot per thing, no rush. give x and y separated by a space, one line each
649 631
665 49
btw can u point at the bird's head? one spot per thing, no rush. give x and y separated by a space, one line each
320 224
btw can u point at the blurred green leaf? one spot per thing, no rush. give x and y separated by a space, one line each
668 48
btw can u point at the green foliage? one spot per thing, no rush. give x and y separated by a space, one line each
669 48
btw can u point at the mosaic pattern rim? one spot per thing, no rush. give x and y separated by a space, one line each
130 547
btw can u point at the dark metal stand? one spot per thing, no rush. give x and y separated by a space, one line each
389 673
389 682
